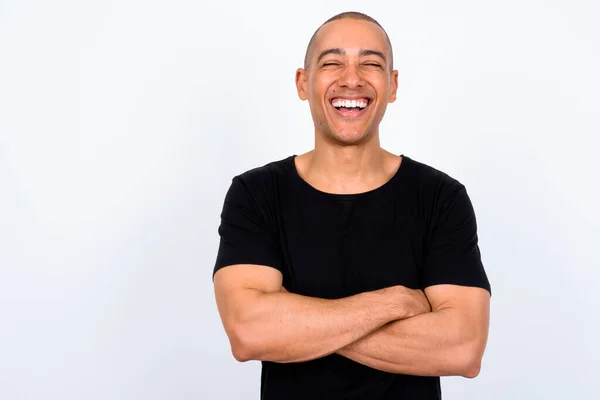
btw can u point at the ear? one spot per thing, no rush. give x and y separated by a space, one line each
301 83
394 86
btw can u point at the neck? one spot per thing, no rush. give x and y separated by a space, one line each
346 168
347 162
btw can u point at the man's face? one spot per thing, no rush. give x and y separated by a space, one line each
349 82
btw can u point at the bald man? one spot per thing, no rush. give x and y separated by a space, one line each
351 272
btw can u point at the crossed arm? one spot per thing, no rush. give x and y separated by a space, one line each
449 340
392 329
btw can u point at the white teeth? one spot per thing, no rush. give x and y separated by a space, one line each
349 103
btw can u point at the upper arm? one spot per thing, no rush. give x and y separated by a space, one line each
248 261
470 309
454 277
246 236
471 302
236 285
452 255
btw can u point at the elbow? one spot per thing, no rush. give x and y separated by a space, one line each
240 354
249 343
240 351
470 365
472 370
242 347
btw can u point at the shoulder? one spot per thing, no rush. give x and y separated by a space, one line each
265 176
429 180
266 172
260 183
435 191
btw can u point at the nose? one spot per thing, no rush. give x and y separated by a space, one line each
351 77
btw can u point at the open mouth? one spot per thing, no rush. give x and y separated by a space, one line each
350 107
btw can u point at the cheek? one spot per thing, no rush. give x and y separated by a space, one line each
380 83
320 86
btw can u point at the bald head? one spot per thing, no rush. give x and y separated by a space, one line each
345 15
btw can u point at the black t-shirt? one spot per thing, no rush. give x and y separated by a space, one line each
416 230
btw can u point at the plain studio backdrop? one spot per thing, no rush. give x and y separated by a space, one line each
122 124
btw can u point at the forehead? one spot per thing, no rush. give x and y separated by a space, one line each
351 34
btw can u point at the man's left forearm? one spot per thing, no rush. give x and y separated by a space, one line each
439 343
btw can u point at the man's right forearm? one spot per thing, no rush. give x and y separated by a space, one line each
286 327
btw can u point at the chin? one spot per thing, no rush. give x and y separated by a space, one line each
349 137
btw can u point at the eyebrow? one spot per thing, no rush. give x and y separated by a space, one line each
342 52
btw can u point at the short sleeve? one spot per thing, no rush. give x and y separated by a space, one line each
452 253
245 237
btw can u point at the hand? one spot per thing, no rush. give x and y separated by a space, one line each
410 302
283 290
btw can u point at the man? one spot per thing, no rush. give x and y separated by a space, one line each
348 271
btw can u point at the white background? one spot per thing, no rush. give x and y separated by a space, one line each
123 122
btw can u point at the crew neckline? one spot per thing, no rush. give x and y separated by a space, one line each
348 196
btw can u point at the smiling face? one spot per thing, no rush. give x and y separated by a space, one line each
349 81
